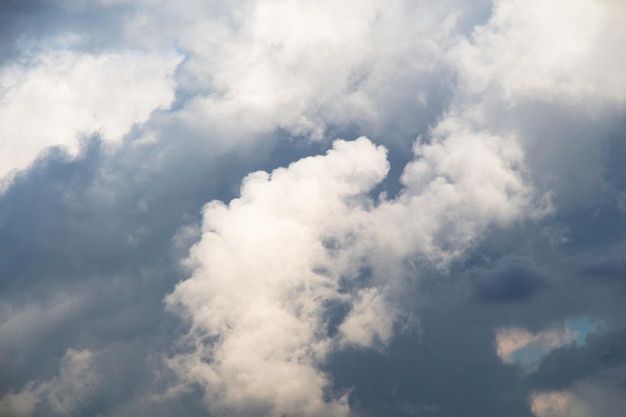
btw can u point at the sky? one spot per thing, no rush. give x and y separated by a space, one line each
266 208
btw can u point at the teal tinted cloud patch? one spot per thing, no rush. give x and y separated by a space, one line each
584 326
518 346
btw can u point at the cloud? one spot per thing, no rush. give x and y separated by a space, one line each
601 394
261 280
554 52
302 67
512 280
551 76
25 325
76 95
512 340
269 263
519 346
460 182
123 118
59 396
369 323
554 404
69 283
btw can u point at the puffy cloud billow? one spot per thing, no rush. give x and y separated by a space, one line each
312 208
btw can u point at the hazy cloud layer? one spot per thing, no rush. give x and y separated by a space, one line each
183 233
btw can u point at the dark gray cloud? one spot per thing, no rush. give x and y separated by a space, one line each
515 280
88 254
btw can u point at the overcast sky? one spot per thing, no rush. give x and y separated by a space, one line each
266 208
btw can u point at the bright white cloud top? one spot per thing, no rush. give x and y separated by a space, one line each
263 280
57 98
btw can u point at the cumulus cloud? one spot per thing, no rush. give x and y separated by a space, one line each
71 96
467 175
304 67
559 52
459 183
517 107
262 279
269 264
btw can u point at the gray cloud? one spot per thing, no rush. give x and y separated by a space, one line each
513 280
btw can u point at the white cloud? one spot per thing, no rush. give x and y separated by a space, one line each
460 182
61 395
269 263
550 76
57 97
567 52
261 280
369 322
303 66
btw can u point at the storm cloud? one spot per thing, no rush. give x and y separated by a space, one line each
312 208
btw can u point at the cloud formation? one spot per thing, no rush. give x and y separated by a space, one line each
562 54
262 281
268 265
181 229
76 95
58 396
